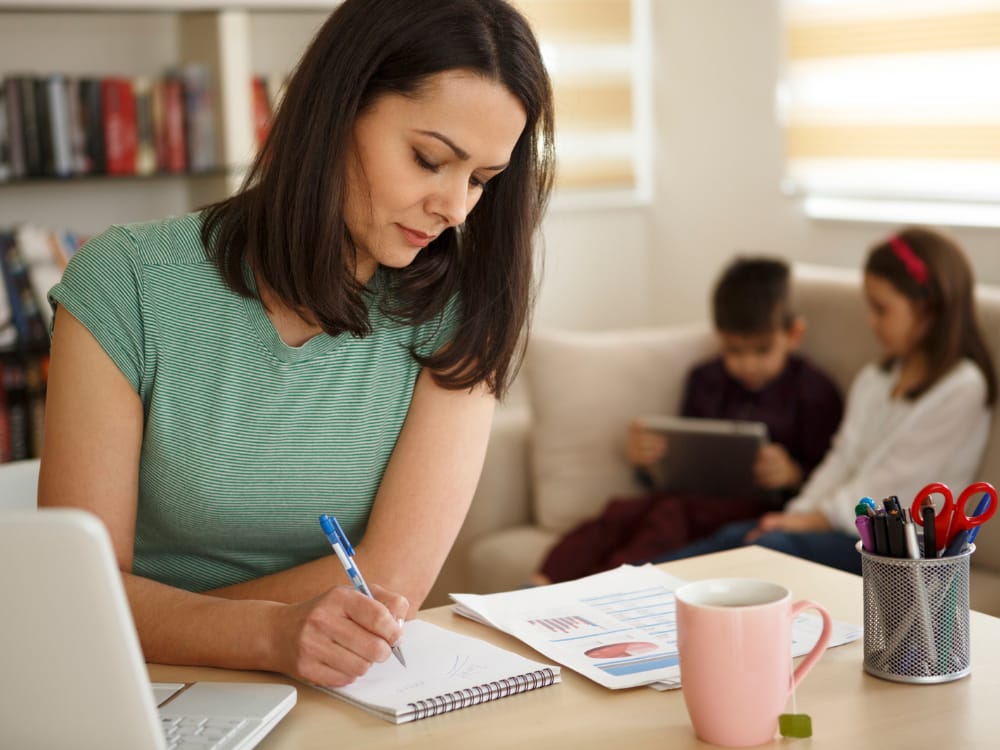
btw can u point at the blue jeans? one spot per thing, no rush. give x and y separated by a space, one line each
831 548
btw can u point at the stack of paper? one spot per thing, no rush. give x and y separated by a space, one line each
618 628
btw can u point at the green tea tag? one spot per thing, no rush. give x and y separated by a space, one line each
795 725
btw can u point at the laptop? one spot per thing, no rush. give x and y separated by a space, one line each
712 457
70 662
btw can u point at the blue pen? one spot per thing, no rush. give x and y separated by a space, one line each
345 553
980 509
957 545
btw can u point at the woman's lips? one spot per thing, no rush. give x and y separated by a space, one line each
415 238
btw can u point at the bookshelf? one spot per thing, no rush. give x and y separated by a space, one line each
232 40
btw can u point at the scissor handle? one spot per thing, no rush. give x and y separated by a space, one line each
934 488
961 519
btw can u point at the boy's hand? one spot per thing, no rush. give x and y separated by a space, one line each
774 469
791 522
644 447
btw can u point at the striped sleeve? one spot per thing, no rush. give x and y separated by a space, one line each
101 287
441 329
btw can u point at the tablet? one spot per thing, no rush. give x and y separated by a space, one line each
709 456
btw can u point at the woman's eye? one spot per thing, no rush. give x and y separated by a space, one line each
424 164
476 182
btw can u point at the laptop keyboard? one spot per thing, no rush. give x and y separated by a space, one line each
205 732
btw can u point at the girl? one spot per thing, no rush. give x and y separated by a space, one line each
331 339
921 414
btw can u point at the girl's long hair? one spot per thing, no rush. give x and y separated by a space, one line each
946 291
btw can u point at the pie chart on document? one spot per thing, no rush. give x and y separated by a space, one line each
618 650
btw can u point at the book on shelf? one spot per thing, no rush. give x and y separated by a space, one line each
43 123
92 123
199 117
444 671
174 149
59 126
261 110
29 126
15 133
119 125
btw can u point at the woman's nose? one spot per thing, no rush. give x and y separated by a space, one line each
452 202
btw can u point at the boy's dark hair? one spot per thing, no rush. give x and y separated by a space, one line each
932 270
287 223
752 297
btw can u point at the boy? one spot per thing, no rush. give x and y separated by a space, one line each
756 376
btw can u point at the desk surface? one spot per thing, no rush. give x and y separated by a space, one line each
848 707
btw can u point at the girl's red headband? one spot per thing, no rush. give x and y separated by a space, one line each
915 267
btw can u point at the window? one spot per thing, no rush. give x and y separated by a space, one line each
891 109
597 53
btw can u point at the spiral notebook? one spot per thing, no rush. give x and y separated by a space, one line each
445 672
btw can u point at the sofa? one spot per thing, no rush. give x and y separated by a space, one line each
557 449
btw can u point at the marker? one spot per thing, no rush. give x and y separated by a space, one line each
895 534
345 553
864 524
880 532
930 534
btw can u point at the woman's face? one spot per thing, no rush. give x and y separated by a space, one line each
898 322
420 164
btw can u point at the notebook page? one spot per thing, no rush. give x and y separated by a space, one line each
455 669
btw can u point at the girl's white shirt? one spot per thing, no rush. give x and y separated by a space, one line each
895 446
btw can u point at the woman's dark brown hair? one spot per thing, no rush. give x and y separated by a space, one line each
931 270
287 223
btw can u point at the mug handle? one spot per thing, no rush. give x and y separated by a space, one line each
824 638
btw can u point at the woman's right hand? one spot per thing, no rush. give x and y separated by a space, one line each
644 447
334 638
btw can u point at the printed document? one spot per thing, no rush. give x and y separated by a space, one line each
618 628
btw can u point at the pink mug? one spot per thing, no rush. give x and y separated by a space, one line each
734 638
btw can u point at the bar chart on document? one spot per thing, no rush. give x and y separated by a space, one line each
617 628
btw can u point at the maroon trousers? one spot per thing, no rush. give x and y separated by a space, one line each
639 529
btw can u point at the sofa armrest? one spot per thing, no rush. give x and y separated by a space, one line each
502 499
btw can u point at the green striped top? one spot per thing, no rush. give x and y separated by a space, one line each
247 440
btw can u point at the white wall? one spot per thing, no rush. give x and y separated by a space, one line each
718 166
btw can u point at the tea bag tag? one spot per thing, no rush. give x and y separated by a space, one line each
795 725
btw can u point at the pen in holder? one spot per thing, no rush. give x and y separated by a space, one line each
916 617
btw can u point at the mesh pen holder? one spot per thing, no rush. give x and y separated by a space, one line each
916 617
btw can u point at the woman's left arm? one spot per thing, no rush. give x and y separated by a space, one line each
421 503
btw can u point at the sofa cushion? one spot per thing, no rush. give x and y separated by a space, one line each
506 559
584 389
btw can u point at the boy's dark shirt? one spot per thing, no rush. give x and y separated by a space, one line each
801 407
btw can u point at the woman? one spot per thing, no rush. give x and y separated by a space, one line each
331 339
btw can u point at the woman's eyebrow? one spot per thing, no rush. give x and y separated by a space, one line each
461 154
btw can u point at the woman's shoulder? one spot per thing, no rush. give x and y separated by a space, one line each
175 239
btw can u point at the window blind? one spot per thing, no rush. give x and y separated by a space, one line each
593 50
893 100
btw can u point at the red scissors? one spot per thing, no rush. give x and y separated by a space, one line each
952 517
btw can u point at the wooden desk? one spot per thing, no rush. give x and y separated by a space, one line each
850 709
